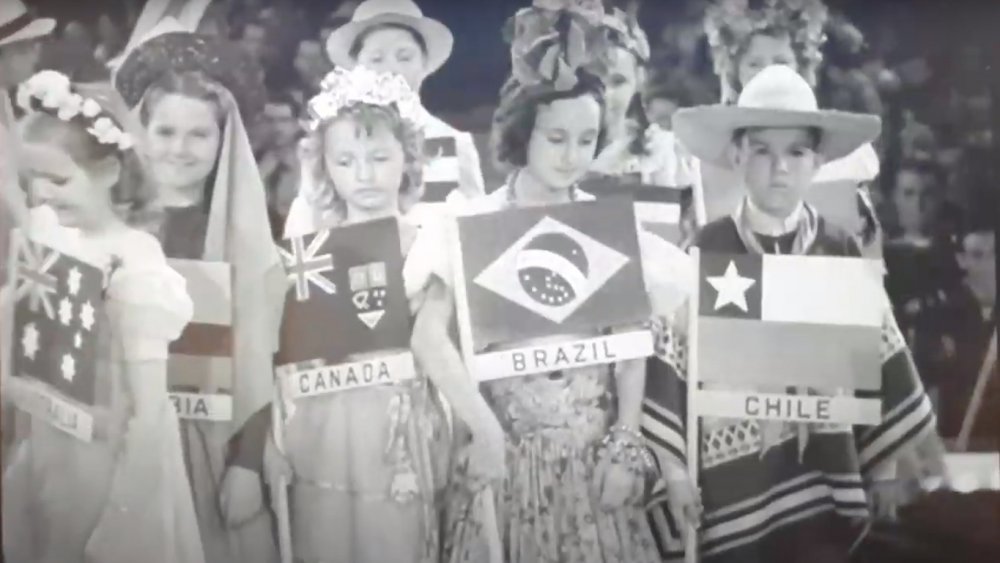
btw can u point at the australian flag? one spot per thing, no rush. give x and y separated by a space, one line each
345 294
58 313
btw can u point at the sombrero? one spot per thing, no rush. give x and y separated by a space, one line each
369 13
221 60
17 24
776 98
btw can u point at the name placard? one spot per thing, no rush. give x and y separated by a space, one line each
791 408
42 402
203 406
564 355
324 380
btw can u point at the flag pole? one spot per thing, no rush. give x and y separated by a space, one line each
692 419
486 498
279 490
989 362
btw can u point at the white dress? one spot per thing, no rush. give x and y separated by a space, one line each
124 497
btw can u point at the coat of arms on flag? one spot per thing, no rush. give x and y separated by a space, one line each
200 366
535 273
811 323
58 317
347 319
659 209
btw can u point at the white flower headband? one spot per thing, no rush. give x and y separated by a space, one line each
343 88
53 91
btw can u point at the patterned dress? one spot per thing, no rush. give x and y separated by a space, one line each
776 496
547 507
123 497
369 465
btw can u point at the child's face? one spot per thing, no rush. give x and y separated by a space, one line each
183 138
764 51
366 166
563 143
777 167
396 51
80 196
621 84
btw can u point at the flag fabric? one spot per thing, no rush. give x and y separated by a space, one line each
659 209
441 170
550 271
345 295
58 315
783 321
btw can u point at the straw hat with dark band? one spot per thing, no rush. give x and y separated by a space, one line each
220 59
371 13
776 98
16 24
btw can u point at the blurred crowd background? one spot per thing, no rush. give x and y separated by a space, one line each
926 66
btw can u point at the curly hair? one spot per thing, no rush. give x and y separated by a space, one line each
369 116
514 118
732 24
133 198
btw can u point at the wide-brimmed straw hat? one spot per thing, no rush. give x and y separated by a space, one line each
370 13
17 24
776 98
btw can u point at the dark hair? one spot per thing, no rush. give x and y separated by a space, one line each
514 119
815 135
133 197
359 41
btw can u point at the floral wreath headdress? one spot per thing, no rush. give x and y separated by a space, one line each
729 24
626 33
552 39
344 88
53 93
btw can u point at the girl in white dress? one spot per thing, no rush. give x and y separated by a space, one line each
123 497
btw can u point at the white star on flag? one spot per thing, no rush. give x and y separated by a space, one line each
36 281
87 315
732 288
74 281
65 312
29 341
305 265
502 276
77 340
68 367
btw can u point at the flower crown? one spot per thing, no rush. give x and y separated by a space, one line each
344 88
627 34
53 92
729 24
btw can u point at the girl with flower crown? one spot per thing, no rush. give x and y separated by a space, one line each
367 466
577 467
192 94
124 496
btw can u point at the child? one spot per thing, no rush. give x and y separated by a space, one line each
124 496
799 488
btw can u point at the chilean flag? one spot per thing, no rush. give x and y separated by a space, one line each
790 321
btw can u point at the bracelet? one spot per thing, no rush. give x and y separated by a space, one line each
636 456
632 435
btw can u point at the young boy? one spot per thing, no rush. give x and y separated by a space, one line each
777 492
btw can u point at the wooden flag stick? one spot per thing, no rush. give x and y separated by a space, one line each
693 421
487 504
279 490
989 363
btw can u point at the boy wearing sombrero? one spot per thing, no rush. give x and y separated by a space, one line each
774 491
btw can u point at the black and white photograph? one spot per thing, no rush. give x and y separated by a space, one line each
501 281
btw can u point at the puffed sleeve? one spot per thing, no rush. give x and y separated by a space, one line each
148 303
429 258
470 172
669 274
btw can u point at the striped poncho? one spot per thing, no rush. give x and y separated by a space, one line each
766 505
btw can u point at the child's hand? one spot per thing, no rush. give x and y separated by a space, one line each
276 465
617 485
488 454
240 496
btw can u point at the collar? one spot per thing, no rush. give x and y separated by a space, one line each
764 224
